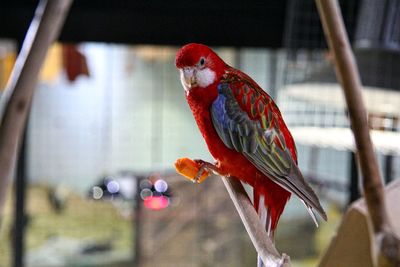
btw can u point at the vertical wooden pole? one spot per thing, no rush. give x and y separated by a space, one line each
348 76
347 73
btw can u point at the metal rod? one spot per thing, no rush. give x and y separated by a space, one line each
137 223
353 185
19 209
388 168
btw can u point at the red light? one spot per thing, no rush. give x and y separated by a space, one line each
156 203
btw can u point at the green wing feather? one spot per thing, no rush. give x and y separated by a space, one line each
244 121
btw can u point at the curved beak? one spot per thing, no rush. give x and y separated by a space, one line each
188 77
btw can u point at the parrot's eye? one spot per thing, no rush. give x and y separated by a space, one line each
202 62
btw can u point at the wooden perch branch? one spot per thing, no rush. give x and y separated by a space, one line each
348 75
16 100
252 223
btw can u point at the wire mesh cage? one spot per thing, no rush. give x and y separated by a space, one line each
128 112
311 98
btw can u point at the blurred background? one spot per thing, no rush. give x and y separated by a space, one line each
97 185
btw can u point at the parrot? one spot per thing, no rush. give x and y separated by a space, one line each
245 133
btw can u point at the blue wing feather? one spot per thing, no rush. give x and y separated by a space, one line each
232 124
264 147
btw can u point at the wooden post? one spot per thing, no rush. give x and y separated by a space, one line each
348 76
258 235
17 97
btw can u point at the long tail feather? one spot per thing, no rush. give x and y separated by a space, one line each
266 221
260 262
311 212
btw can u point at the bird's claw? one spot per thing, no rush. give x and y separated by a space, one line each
204 166
199 174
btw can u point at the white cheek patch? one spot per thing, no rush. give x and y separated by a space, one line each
205 77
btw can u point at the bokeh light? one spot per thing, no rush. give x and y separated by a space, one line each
156 203
145 183
161 186
113 187
97 192
145 193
